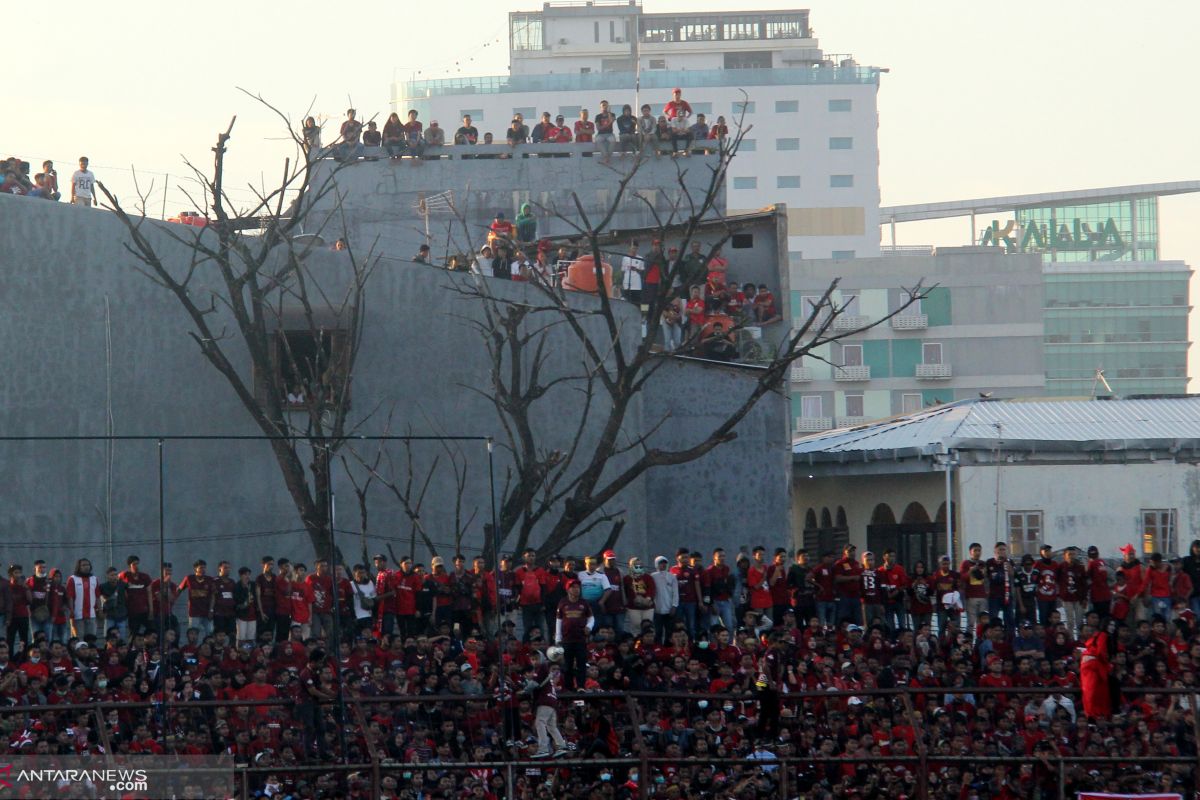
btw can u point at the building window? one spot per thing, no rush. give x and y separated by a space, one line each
702 108
528 113
842 255
840 181
612 30
810 406
840 105
745 183
787 106
852 355
910 403
748 146
841 143
795 255
596 26
750 60
931 353
742 107
850 304
658 63
854 405
308 360
809 304
569 112
1159 531
787 144
476 114
787 182
1024 532
741 241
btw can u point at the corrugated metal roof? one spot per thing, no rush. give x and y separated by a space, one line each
1041 424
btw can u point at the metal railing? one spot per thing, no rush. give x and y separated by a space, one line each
790 768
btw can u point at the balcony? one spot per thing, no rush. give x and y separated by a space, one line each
813 424
850 322
859 372
934 372
852 422
800 375
910 322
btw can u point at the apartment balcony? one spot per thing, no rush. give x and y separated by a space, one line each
813 424
852 422
850 322
800 375
934 372
861 372
910 322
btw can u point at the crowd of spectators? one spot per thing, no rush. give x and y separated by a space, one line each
676 131
730 648
44 185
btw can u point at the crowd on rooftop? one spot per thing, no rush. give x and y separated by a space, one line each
44 185
676 130
727 647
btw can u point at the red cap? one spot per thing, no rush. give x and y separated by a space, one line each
609 554
1127 549
676 89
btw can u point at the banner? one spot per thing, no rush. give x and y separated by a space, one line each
1103 796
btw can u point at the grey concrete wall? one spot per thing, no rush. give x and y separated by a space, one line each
74 363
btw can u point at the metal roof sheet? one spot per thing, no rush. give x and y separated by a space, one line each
1067 424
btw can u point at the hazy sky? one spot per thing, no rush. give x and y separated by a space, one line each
982 99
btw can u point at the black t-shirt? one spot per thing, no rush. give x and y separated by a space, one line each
604 122
466 135
372 138
515 136
626 123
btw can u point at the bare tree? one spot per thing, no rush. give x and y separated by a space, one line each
244 281
569 489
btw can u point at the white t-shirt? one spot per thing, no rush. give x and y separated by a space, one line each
483 266
631 272
362 590
84 181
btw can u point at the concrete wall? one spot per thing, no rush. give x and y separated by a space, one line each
1081 504
90 339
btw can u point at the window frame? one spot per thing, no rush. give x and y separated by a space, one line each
941 353
852 348
1024 544
1164 538
804 402
862 403
907 395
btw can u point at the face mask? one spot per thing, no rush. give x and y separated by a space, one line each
638 570
605 776
702 645
728 707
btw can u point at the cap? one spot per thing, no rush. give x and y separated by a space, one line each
465 667
676 89
607 554
499 215
437 562
1044 548
854 628
379 557
846 665
854 701
1093 551
1127 549
660 559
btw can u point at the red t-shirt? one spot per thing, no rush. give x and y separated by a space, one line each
756 580
200 594
872 592
320 588
223 604
529 583
574 616
974 579
265 586
822 576
1097 573
1072 582
1160 582
137 592
405 587
695 311
300 599
283 596
1047 579
847 567
584 130
689 583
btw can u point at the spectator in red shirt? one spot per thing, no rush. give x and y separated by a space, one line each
781 595
822 580
756 581
974 584
689 589
893 581
585 129
137 595
164 593
283 601
847 584
1046 592
871 593
531 582
573 623
718 585
639 597
199 587
1158 587
264 595
1135 581
1099 589
18 614
320 589
300 598
224 613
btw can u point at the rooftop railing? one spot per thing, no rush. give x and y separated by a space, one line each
649 79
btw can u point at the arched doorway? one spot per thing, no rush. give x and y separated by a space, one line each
914 537
830 534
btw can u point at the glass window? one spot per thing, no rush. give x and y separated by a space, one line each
850 304
748 146
787 182
1158 531
840 105
787 144
658 63
810 406
910 403
854 405
525 31
528 113
842 255
841 143
795 255
840 181
570 113
748 60
787 106
852 355
745 183
1024 532
931 353
742 106
702 108
700 32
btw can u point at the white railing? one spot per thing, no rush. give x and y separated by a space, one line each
849 322
800 375
910 322
852 422
934 371
813 424
861 372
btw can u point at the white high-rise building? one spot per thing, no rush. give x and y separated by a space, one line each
813 144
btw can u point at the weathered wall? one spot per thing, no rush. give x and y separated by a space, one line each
90 339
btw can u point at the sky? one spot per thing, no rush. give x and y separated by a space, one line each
981 99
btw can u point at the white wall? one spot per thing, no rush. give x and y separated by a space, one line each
1081 504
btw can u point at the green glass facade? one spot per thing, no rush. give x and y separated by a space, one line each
1132 324
1095 232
